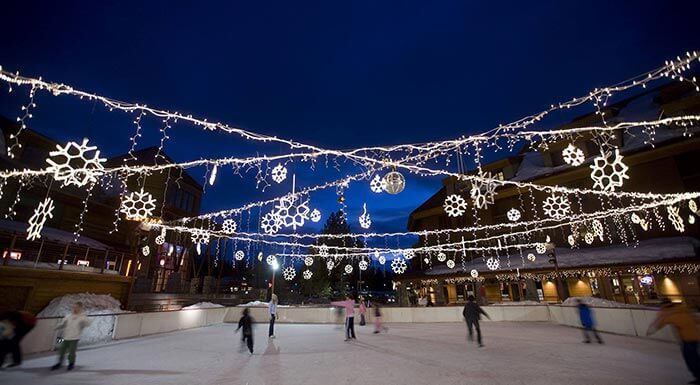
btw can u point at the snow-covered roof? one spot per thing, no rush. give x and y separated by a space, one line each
655 250
52 234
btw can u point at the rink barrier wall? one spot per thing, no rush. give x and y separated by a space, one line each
624 321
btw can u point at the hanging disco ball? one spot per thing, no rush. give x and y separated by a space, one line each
394 182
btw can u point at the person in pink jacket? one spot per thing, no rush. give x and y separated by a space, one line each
349 305
363 311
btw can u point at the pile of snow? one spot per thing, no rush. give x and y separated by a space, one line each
254 304
512 303
103 305
202 305
595 302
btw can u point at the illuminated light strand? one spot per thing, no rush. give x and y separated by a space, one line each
22 123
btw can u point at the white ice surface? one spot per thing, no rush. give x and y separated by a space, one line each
515 353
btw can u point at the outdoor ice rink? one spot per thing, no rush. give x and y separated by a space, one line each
515 353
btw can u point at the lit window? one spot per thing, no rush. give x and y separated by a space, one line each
16 255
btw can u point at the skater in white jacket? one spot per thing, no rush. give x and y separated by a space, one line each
72 326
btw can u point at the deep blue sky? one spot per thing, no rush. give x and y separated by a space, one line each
330 73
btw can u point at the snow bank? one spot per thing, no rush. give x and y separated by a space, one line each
203 305
254 304
518 303
101 328
596 302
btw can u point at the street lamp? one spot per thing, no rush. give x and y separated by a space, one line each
275 265
552 254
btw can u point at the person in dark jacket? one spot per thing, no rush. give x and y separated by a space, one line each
586 315
246 323
23 323
472 314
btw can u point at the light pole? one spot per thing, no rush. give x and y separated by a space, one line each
275 265
552 254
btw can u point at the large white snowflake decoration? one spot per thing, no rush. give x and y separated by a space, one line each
493 263
239 255
398 265
289 273
597 227
609 173
279 173
146 250
675 219
199 236
441 257
36 223
455 205
291 215
451 264
483 192
381 259
474 273
229 226
541 248
556 206
330 264
363 265
589 238
315 216
308 261
531 257
408 253
270 223
66 161
573 155
348 269
365 220
160 240
138 205
693 206
513 215
377 184
271 259
308 274
323 250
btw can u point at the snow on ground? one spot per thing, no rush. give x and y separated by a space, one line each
596 302
437 353
202 305
518 303
100 328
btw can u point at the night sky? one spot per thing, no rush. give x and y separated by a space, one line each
328 73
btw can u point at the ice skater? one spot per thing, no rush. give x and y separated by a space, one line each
349 305
246 323
71 327
363 311
22 323
378 327
586 315
678 317
272 307
472 314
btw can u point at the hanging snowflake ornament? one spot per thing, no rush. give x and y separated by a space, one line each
597 227
270 223
556 206
199 236
474 273
279 173
363 265
271 259
441 257
483 191
541 248
571 240
398 265
513 215
451 264
408 253
455 205
381 259
377 185
573 155
289 273
323 250
531 257
330 264
146 250
675 219
75 164
315 216
635 218
365 220
160 240
308 274
608 172
229 226
348 269
308 261
691 219
138 205
693 206
291 215
36 223
493 263
394 182
239 255
589 238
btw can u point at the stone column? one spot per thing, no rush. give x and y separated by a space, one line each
439 294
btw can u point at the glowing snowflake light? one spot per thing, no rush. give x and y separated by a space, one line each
483 192
394 182
692 206
531 257
597 227
363 265
271 259
450 264
330 264
541 248
408 253
609 173
513 215
377 185
675 219
229 226
146 250
160 240
493 263
289 273
36 223
279 173
474 273
291 215
308 261
365 220
138 205
71 165
635 218
455 205
308 274
441 257
556 206
239 255
382 260
571 240
348 269
270 223
199 236
589 238
573 155
315 216
323 250
398 265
